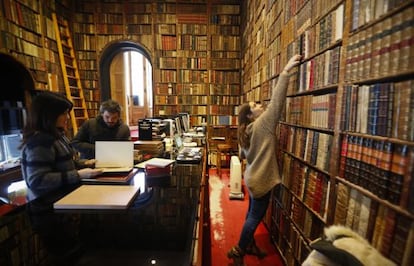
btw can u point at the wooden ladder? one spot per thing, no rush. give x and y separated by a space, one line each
70 72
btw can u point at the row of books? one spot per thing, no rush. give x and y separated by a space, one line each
319 72
288 238
382 109
182 89
365 11
192 18
192 42
379 166
308 145
224 29
184 75
139 29
15 32
300 216
225 43
192 29
181 99
312 110
196 76
215 109
166 42
308 185
273 63
325 33
174 109
223 100
253 95
23 15
142 19
223 19
384 49
390 233
222 119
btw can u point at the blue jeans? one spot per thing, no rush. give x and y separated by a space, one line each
255 213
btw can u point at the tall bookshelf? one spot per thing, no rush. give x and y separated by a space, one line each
346 147
27 32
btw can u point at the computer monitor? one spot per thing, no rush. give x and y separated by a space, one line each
11 145
185 121
178 128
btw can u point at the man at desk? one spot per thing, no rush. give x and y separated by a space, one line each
106 126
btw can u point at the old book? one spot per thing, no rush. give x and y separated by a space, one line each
385 49
382 114
367 53
388 233
314 148
379 227
364 216
351 208
310 189
376 46
409 248
401 232
344 154
384 162
399 167
373 107
341 204
318 193
406 52
372 218
357 211
363 100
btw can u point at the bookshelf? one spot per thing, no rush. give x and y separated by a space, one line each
26 34
346 145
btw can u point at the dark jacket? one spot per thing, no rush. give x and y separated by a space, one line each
95 129
48 164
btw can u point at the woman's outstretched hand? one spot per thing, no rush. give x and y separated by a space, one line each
293 61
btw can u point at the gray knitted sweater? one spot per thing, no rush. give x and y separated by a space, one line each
262 171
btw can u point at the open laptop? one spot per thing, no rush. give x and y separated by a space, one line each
186 154
114 156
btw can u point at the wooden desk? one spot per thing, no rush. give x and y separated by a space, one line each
162 222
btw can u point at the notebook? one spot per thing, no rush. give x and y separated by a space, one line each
114 156
156 162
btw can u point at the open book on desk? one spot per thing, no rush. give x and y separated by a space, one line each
114 156
113 178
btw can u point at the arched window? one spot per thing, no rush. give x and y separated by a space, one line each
126 76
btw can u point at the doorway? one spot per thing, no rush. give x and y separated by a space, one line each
126 77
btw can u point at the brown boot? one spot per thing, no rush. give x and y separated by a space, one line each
253 249
237 255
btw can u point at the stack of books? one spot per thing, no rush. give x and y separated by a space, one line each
155 148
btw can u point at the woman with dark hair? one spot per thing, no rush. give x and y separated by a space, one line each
47 158
257 144
50 169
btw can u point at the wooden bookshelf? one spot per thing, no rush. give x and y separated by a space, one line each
346 141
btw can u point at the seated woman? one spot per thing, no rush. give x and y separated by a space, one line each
49 167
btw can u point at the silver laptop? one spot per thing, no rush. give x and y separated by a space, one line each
114 156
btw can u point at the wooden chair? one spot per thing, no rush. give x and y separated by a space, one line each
222 149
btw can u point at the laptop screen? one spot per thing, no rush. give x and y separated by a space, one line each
178 142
